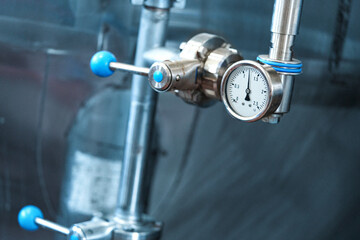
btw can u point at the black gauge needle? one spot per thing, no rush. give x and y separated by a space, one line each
247 98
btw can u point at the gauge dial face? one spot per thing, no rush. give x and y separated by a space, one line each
247 92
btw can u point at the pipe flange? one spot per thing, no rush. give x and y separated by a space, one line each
146 229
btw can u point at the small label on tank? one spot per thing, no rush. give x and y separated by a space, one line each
94 184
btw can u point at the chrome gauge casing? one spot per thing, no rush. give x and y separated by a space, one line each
268 90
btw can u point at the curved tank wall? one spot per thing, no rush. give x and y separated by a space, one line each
216 178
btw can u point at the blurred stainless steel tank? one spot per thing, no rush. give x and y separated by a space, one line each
305 182
94 156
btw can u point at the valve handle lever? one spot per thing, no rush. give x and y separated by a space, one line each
129 68
162 76
103 64
31 217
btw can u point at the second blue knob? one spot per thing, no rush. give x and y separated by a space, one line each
27 215
100 63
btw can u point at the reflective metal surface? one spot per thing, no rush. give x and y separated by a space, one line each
161 3
129 68
132 190
215 66
196 73
179 75
216 178
284 27
204 59
274 86
52 226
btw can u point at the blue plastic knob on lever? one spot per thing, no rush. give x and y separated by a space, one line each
31 217
27 216
100 63
74 237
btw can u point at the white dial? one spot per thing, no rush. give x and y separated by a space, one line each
247 90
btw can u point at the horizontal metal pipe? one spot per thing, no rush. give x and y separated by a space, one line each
129 68
52 226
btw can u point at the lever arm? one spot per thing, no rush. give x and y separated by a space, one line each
104 63
31 217
162 76
52 226
129 68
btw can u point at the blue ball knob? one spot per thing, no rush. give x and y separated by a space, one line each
158 76
74 237
27 215
100 63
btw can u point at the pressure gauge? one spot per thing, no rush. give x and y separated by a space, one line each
250 90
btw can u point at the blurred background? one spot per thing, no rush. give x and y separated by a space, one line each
62 129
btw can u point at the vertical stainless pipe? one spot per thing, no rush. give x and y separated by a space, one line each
284 28
152 30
